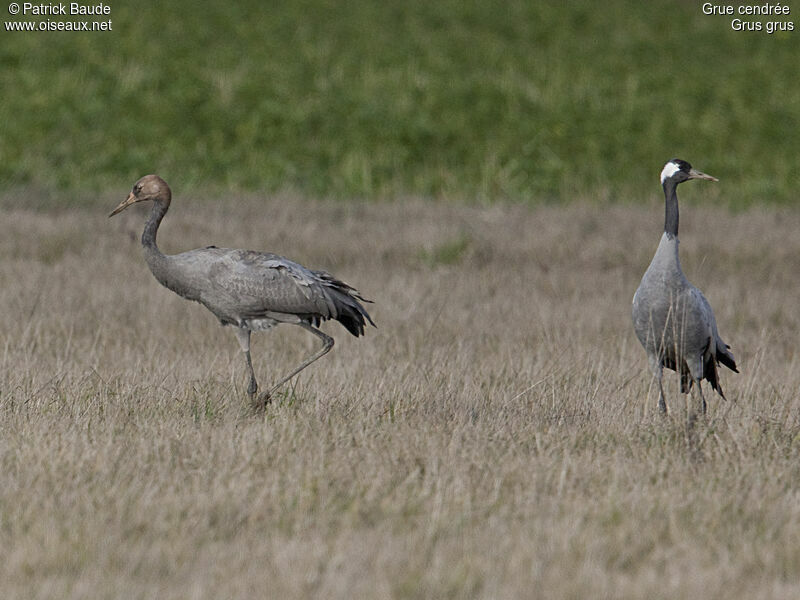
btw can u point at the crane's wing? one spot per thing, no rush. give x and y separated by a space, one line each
721 353
247 285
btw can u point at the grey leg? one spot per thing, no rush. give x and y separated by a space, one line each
693 442
703 406
327 344
243 335
662 401
658 373
252 386
695 404
696 370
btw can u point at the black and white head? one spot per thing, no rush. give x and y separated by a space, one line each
677 171
149 187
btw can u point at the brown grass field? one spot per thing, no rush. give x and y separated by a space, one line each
496 437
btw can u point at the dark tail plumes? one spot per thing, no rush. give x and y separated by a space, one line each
710 373
352 314
349 311
726 358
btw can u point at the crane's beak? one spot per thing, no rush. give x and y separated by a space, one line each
124 204
695 174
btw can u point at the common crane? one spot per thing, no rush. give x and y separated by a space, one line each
251 291
672 318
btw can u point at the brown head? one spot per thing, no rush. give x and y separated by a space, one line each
149 187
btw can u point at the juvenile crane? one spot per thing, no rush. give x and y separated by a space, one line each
673 320
252 291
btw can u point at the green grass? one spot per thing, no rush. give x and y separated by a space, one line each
448 252
469 100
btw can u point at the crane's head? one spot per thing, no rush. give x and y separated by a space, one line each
678 171
149 187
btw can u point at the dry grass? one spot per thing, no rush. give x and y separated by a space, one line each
496 437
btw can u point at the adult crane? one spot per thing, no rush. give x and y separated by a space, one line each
252 291
672 318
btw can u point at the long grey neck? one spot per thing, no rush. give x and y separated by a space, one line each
163 267
671 208
154 257
151 227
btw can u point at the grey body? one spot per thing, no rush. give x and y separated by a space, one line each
672 318
251 291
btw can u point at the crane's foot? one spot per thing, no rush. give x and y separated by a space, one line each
261 402
662 406
252 387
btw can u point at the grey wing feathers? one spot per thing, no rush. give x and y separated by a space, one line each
720 352
723 354
700 319
256 285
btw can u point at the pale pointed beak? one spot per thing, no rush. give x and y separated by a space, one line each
124 204
695 174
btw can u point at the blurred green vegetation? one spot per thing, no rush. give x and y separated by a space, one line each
463 99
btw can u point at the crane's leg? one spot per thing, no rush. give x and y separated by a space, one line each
327 344
696 371
694 401
702 403
658 373
662 401
243 335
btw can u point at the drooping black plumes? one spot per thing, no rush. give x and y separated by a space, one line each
349 312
